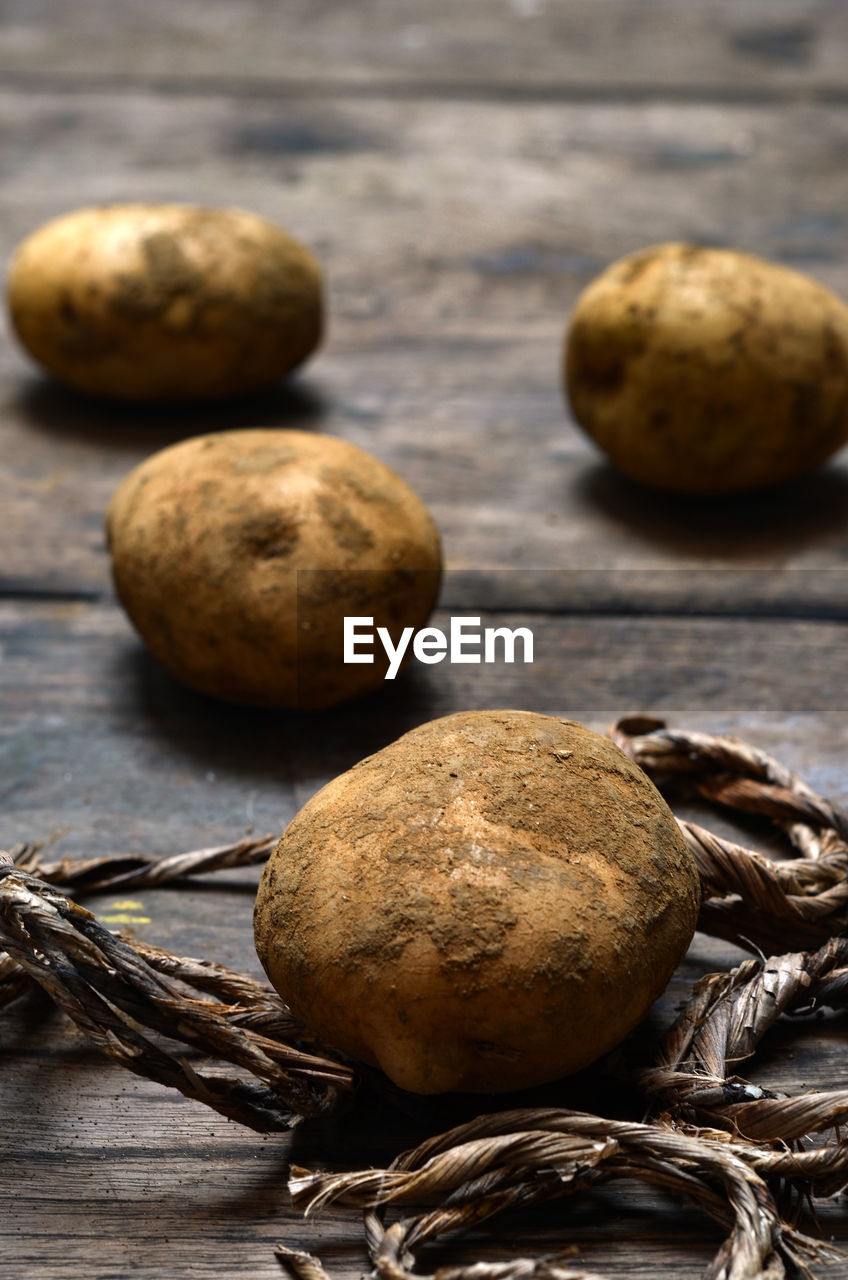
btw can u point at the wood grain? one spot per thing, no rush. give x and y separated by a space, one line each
741 48
123 1180
115 1175
112 1175
451 276
462 170
100 742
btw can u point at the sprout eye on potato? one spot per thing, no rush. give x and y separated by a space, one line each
165 302
708 371
237 556
491 902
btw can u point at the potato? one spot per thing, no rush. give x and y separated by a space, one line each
708 371
160 301
237 556
488 903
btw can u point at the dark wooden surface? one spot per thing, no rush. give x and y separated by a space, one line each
462 170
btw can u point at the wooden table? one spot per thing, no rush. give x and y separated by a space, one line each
462 170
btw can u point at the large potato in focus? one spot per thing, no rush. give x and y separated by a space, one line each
708 371
161 301
237 556
491 902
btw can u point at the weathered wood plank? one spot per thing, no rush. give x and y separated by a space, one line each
726 47
100 743
453 259
112 1175
108 1175
425 149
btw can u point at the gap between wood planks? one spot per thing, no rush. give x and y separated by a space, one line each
791 611
214 86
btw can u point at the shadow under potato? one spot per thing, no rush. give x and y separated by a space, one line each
359 1125
810 511
265 744
57 410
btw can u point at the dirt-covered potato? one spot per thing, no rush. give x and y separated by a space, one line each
491 902
238 555
161 301
707 371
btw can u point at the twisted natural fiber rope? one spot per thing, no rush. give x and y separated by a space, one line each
522 1157
126 871
728 771
131 871
304 1266
123 871
722 1024
502 1161
747 898
116 993
720 1140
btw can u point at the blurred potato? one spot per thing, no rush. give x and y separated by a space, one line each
165 302
238 555
708 371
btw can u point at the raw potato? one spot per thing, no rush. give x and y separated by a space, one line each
491 902
161 302
708 371
237 556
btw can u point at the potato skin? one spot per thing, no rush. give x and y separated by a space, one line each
237 555
707 371
490 902
165 302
